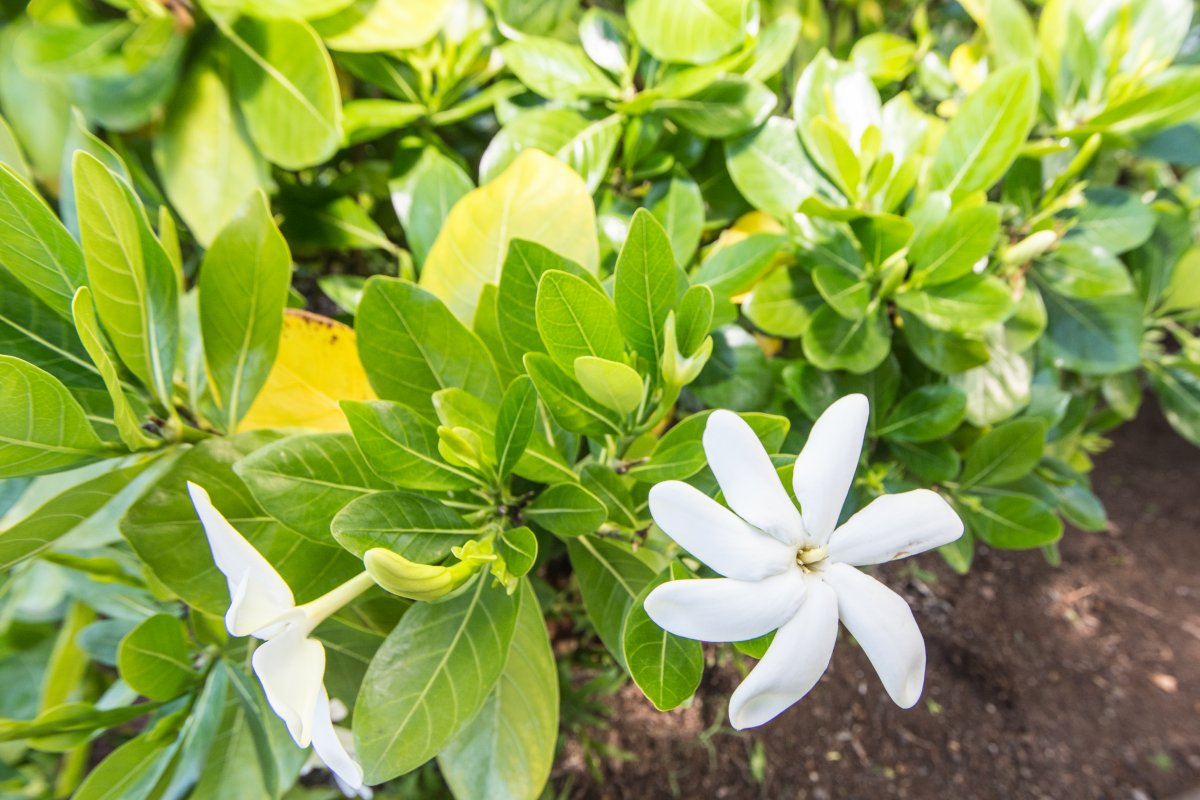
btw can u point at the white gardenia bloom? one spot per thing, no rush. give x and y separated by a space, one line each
796 571
289 664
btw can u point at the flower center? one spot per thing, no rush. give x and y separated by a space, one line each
810 558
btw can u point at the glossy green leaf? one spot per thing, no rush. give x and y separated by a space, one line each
667 668
783 303
131 276
967 305
576 319
154 658
950 250
417 527
1005 453
556 70
431 676
243 290
727 107
771 169
514 424
285 87
370 26
1096 336
925 414
1014 522
1178 388
493 757
583 143
610 579
401 447
611 383
693 32
304 481
644 285
411 346
423 196
834 342
567 509
566 401
983 139
35 247
679 454
42 426
523 269
679 206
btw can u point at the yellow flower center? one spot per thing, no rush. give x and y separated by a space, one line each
809 558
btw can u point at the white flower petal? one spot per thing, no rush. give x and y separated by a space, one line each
291 668
825 467
725 610
715 535
748 478
258 595
884 626
792 665
328 746
895 526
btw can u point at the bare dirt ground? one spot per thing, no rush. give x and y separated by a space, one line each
1081 681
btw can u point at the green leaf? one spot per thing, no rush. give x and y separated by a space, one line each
154 659
583 143
423 196
537 198
567 509
556 70
1013 521
1169 98
1178 388
431 676
1009 29
834 342
514 424
411 346
42 427
1006 453
733 269
695 318
679 454
571 407
243 290
613 491
208 166
493 757
947 353
737 375
1084 271
997 390
1112 219
167 536
771 169
64 513
679 206
576 319
304 481
370 26
519 549
644 285
130 771
667 668
934 462
949 250
610 579
729 106
402 447
983 139
35 247
516 317
132 278
847 294
128 424
927 413
285 87
11 155
1096 336
417 527
967 305
611 383
783 303
693 31
370 118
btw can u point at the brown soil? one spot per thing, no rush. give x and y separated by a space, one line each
1081 681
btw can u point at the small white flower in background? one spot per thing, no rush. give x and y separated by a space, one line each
795 571
289 664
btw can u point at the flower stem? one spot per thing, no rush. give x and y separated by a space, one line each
317 611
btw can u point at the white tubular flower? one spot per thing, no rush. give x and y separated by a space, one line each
795 570
289 664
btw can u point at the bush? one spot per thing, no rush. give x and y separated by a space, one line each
541 241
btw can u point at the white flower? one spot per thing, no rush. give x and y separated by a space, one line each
289 664
792 570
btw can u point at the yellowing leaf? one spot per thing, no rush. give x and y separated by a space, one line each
538 198
316 367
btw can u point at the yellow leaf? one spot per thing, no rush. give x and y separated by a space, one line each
317 366
538 198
